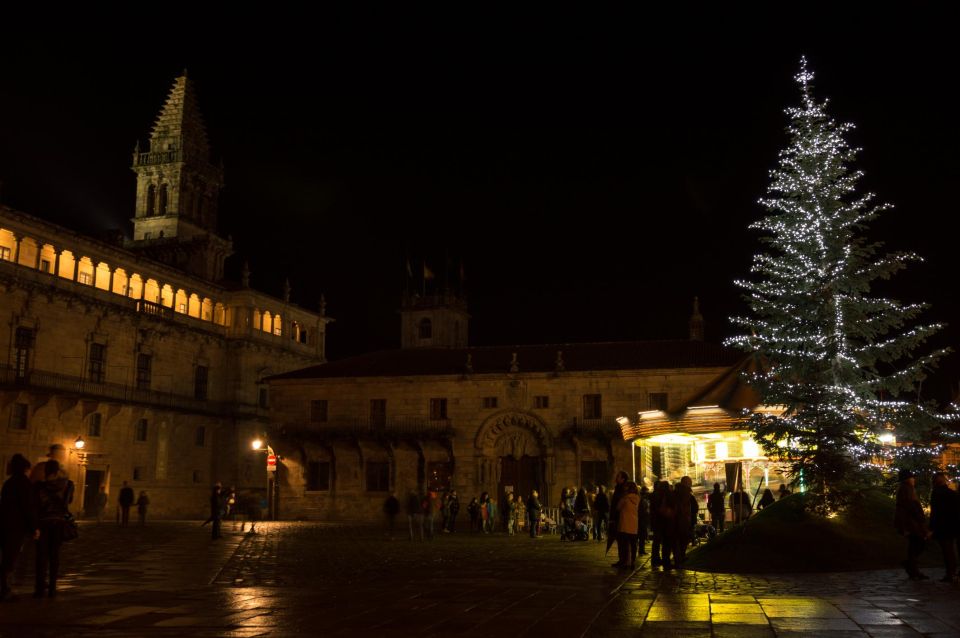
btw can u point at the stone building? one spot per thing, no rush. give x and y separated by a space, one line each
141 348
438 414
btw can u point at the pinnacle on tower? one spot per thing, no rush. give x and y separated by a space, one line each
696 322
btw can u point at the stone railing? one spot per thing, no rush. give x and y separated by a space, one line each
605 425
71 385
391 426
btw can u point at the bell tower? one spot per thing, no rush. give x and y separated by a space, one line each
178 187
433 316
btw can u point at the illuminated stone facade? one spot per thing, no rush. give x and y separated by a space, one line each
143 350
490 419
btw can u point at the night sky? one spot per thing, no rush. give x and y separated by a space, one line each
593 174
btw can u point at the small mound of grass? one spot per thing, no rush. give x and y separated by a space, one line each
786 537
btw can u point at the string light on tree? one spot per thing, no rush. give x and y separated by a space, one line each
840 359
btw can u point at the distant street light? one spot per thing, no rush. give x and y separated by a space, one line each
257 444
273 486
79 443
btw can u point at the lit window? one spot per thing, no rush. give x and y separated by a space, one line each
4 253
95 422
85 278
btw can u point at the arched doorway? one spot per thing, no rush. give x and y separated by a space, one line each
516 447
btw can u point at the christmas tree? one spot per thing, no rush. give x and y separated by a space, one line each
836 357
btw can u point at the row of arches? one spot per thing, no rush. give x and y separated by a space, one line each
64 263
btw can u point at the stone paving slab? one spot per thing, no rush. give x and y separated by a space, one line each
169 579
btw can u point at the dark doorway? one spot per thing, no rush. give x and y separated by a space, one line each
521 476
94 478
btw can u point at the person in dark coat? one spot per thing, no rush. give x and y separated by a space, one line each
53 497
716 508
18 518
414 514
533 514
216 510
766 500
910 522
125 500
453 508
391 507
643 520
602 505
473 510
661 522
143 501
740 505
687 509
945 523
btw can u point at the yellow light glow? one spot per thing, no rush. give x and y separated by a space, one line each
79 443
703 407
750 449
887 439
623 421
650 414
257 444
721 450
701 451
676 437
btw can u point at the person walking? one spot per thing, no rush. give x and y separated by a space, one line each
101 503
509 512
18 519
53 497
473 510
910 521
740 505
216 511
662 515
618 491
533 514
643 520
945 523
627 523
491 515
453 508
783 491
716 508
391 507
125 500
602 505
686 508
431 504
414 514
142 502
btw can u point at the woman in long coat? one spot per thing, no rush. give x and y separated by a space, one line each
911 522
627 526
18 518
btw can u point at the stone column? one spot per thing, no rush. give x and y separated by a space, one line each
56 262
40 244
16 250
110 285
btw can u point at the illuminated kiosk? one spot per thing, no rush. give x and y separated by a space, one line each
703 437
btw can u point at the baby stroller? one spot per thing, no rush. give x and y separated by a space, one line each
703 531
575 528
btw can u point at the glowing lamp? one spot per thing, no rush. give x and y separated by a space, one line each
79 443
257 444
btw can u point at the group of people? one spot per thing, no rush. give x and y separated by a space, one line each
228 505
34 504
943 526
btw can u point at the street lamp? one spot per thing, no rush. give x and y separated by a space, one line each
273 486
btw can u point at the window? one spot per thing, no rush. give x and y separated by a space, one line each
425 329
593 473
263 399
139 473
93 427
378 476
489 403
162 204
45 265
200 383
4 253
144 368
318 477
182 308
147 235
197 476
98 362
200 436
151 202
318 411
657 400
303 335
85 278
23 343
18 416
591 406
378 412
541 402
438 409
140 430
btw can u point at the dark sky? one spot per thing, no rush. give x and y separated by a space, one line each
594 172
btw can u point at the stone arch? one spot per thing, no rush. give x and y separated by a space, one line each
513 432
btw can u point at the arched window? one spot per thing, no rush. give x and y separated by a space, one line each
151 200
425 328
163 200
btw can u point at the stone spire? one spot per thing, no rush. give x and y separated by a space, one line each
696 322
178 189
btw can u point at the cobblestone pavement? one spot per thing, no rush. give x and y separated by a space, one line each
170 579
